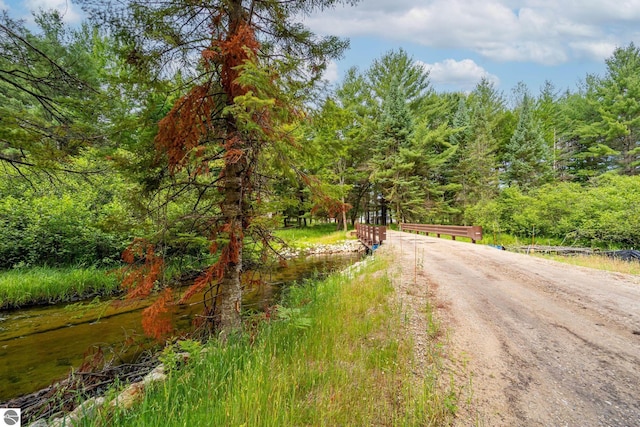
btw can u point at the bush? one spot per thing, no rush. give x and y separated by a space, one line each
612 211
604 213
48 230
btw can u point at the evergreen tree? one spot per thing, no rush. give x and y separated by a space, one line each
433 133
601 121
476 173
355 98
584 153
400 93
47 77
398 68
527 154
395 159
547 111
616 99
247 66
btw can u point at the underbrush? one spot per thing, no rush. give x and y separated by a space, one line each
504 239
336 353
43 285
507 240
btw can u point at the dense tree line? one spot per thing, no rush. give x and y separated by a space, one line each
199 142
460 158
383 146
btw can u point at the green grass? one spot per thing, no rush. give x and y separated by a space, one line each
337 355
320 234
42 285
504 239
598 262
507 240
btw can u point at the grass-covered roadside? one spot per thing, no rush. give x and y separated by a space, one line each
42 285
338 354
599 262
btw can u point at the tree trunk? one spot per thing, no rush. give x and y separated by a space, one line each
234 212
383 211
230 298
367 209
341 165
344 216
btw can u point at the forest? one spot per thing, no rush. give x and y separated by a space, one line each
134 133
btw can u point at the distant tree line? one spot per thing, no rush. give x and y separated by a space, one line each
400 151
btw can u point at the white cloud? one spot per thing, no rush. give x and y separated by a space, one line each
70 12
597 11
3 6
594 50
331 73
463 75
541 31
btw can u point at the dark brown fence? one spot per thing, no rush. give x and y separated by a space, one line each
473 232
371 235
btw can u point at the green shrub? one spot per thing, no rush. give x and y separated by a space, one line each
53 231
604 213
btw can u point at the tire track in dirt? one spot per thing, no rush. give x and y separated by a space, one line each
543 343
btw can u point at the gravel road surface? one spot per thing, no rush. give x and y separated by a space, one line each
537 342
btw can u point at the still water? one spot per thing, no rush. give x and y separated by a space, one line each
41 345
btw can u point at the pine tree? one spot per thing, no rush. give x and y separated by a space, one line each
583 151
395 159
476 173
47 76
527 156
398 68
616 99
355 99
248 64
547 110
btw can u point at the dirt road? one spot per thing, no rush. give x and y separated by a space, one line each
538 343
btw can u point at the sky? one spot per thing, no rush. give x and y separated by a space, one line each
461 41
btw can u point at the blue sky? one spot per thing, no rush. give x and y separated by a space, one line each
460 41
506 41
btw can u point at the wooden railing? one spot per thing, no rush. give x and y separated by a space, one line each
371 235
473 232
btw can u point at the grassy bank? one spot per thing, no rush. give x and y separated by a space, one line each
320 234
338 354
42 285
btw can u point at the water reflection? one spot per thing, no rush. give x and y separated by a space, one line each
40 345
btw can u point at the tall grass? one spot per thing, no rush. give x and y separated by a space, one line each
42 285
599 262
511 240
337 355
320 234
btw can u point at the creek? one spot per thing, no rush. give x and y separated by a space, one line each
41 345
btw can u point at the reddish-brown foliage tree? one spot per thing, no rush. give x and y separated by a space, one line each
183 134
139 277
254 70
